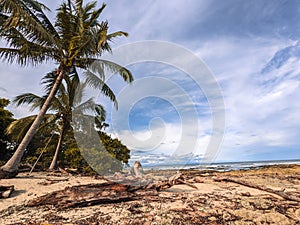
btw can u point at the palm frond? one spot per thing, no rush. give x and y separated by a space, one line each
75 88
37 6
29 99
38 10
95 15
48 80
49 119
18 128
102 67
37 102
78 5
96 82
116 34
87 106
23 56
100 112
28 17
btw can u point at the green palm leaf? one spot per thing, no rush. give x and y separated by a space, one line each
18 128
30 99
28 16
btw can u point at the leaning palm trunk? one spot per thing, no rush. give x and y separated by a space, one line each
53 164
10 169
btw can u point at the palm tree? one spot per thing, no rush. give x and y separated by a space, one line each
68 98
75 40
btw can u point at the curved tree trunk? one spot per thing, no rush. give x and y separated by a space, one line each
60 139
10 169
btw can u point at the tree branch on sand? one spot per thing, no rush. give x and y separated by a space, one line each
259 187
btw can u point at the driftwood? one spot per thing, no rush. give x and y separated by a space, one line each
57 180
49 181
5 191
63 172
173 180
104 193
259 187
87 195
71 170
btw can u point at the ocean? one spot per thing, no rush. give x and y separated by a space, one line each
221 166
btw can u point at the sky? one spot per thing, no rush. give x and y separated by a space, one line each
247 49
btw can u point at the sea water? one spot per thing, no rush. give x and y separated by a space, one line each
221 166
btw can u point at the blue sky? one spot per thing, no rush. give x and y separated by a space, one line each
250 47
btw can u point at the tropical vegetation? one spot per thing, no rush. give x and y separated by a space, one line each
6 117
68 98
74 41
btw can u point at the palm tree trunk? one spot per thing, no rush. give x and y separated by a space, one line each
61 136
10 169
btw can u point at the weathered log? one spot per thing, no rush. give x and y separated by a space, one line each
5 191
109 192
85 195
259 187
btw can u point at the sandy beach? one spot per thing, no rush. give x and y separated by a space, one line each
268 195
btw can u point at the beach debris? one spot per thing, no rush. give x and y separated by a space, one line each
259 187
59 172
173 180
104 193
214 203
87 195
5 191
71 170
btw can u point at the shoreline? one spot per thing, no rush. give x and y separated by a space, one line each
215 200
225 166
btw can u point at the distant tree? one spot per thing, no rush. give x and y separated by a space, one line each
6 117
75 40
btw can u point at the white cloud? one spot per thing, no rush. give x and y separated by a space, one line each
168 139
256 115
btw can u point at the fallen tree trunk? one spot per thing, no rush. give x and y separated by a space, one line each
90 194
5 191
104 193
259 187
84 195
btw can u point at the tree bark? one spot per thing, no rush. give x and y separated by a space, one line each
10 169
60 139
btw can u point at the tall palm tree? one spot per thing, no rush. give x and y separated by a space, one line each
76 39
68 98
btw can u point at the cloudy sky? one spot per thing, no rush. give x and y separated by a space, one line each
248 49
